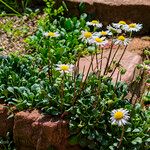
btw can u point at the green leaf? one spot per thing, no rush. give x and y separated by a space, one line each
73 140
128 130
115 144
111 148
137 140
109 134
78 111
136 130
1 49
148 140
10 89
10 116
68 24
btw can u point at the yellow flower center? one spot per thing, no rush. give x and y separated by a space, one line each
51 34
64 67
99 40
122 22
95 22
132 25
121 38
103 33
118 115
87 34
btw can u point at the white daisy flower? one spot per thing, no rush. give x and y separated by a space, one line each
64 68
119 24
102 33
51 34
119 117
132 27
114 30
94 23
86 36
121 40
99 41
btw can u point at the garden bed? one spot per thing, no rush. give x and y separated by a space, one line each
78 85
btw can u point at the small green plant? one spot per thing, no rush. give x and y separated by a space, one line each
51 11
65 48
91 127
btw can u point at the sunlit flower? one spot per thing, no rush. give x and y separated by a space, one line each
132 27
99 41
102 33
119 117
94 23
65 68
51 34
119 24
121 40
86 36
114 30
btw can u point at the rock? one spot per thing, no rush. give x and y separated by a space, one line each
129 62
109 11
138 45
6 125
24 135
34 131
131 58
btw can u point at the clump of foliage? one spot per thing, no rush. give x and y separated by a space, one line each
65 46
91 127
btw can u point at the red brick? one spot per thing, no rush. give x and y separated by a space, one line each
34 131
6 125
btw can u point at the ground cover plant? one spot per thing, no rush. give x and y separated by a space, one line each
99 113
17 7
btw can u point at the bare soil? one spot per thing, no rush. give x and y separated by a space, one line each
13 31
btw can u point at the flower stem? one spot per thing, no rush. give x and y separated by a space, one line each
101 63
121 138
117 79
62 94
119 61
96 57
114 56
49 66
111 47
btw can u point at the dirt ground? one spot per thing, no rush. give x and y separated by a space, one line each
13 31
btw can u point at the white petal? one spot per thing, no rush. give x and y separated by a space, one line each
119 122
